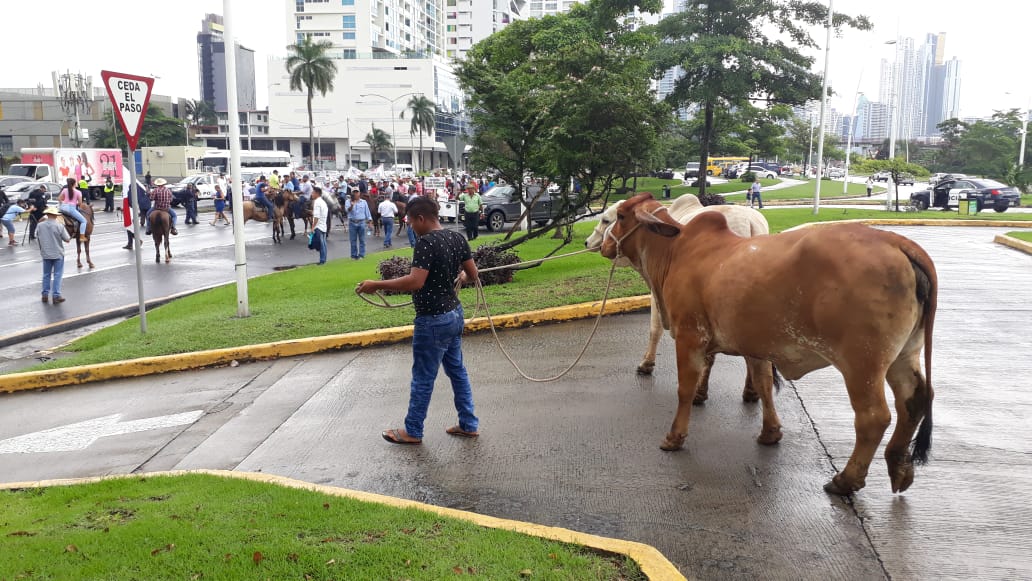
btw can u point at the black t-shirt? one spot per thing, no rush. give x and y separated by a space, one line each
441 252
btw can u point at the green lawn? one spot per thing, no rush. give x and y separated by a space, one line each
314 301
208 527
1025 235
1026 200
655 186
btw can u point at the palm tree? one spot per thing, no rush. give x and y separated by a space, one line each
312 70
423 117
200 112
378 141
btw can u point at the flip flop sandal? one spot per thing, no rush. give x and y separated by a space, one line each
394 437
458 431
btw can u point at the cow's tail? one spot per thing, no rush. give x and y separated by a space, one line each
927 296
777 378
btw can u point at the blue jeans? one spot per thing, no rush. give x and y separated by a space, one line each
356 233
52 267
170 211
411 237
319 238
73 211
388 227
267 204
437 340
756 199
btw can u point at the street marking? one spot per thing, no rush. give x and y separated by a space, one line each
81 435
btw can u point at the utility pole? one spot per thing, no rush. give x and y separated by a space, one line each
74 92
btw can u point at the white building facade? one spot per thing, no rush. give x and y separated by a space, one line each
467 22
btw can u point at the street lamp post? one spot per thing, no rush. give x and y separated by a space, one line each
394 134
824 102
893 119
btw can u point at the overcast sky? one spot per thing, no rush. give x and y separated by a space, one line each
990 38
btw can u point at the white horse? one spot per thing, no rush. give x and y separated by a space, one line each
743 221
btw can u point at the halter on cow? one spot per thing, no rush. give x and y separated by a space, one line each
860 299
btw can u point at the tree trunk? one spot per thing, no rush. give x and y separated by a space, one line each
707 134
311 131
419 166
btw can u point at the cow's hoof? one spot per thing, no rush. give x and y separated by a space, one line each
901 473
750 396
769 436
646 368
838 486
91 265
672 443
700 398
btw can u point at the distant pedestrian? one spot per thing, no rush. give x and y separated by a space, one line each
109 195
10 215
52 238
147 179
220 206
757 199
127 221
358 217
191 203
38 203
439 257
870 186
387 210
471 208
320 214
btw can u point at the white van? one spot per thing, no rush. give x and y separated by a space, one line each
403 170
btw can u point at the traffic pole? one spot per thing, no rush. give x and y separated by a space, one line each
137 238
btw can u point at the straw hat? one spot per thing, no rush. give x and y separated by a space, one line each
160 182
52 210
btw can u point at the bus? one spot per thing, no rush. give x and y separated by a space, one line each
726 163
251 161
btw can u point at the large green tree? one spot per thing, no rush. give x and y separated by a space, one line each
159 130
565 97
200 112
424 113
311 70
736 51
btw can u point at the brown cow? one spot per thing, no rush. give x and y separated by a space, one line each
846 295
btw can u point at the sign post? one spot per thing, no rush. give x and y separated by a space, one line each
129 96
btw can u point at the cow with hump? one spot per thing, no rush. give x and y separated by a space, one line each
860 299
741 220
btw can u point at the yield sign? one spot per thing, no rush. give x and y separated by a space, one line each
129 95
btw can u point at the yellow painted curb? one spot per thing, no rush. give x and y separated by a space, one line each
1015 243
652 562
195 360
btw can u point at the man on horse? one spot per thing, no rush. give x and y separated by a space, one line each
260 198
70 198
162 198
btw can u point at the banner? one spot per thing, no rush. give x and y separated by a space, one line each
96 164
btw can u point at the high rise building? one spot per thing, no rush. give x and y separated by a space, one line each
211 65
539 8
467 22
924 86
370 28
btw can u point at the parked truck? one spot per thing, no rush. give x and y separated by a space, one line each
52 164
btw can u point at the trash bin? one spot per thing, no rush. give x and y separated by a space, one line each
965 206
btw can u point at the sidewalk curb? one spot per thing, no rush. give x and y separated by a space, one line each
200 359
652 562
1015 243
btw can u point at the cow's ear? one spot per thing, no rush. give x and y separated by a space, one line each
655 224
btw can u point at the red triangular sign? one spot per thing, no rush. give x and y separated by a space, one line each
129 95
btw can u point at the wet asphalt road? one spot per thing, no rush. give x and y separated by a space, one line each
203 256
583 453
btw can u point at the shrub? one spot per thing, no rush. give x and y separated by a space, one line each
749 177
488 256
709 199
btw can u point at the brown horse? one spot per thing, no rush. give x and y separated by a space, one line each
72 226
402 224
281 199
161 229
374 211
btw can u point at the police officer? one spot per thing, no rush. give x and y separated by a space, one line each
109 195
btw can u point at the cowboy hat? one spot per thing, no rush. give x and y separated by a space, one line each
160 182
52 210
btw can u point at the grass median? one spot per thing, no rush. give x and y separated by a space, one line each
829 190
655 186
1026 236
313 301
208 527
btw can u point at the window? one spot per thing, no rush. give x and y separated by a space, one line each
299 6
6 144
348 22
349 53
348 36
347 2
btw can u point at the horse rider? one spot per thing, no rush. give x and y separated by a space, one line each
162 198
261 199
70 198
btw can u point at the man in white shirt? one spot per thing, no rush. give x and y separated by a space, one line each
387 212
319 213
